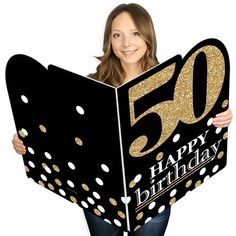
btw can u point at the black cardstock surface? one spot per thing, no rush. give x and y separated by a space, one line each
126 153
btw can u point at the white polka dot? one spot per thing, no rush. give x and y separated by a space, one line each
47 169
24 99
108 221
100 208
152 205
161 209
173 192
218 130
215 168
148 219
80 110
71 165
202 171
137 178
206 178
31 150
31 164
91 201
99 181
62 192
47 155
84 204
43 177
70 183
210 122
176 138
96 195
105 168
117 222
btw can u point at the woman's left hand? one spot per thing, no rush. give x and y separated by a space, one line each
223 119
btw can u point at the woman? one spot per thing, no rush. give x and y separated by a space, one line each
129 49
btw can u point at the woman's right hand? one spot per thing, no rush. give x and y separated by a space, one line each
18 145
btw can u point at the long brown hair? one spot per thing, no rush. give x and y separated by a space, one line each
110 70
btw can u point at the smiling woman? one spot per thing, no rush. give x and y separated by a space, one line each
128 45
129 49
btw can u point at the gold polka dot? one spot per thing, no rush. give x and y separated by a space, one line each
43 128
41 183
137 227
27 169
198 183
172 201
56 168
50 186
159 156
225 103
225 136
97 212
44 165
79 141
113 201
188 183
21 133
121 214
132 184
139 216
220 155
85 187
73 199
58 182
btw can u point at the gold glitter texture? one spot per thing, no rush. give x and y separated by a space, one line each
58 182
225 103
78 141
113 201
50 186
73 199
85 187
121 214
198 183
159 156
132 184
97 212
21 133
172 201
188 183
181 108
162 109
43 128
220 155
56 168
139 216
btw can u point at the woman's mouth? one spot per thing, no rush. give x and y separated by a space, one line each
129 52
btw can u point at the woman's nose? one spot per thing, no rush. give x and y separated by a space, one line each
126 41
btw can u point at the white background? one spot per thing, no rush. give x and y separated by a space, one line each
69 34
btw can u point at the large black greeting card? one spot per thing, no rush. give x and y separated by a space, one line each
126 153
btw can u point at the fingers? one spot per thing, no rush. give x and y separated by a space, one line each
223 119
18 145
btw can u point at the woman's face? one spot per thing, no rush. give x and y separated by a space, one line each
126 41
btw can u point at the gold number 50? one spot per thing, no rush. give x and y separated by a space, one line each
181 107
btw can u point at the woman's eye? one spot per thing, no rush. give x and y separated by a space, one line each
136 33
116 35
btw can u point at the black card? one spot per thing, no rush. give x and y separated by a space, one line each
126 153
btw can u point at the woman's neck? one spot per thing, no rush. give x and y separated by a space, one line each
131 72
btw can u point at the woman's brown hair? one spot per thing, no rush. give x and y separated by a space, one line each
110 70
